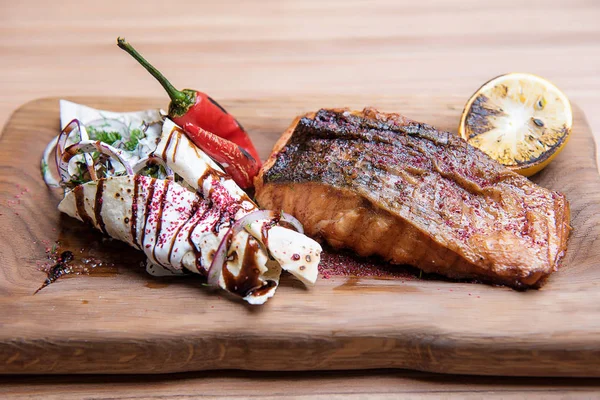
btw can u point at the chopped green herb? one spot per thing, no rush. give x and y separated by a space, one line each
108 137
81 176
134 139
44 167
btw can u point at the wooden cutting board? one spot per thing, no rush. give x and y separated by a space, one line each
124 321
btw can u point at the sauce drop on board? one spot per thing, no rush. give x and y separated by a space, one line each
57 270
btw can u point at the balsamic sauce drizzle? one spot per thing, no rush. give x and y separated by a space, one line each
159 213
148 203
57 270
80 204
98 206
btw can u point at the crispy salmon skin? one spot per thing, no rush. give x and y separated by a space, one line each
382 184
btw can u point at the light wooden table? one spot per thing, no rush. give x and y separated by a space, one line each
244 49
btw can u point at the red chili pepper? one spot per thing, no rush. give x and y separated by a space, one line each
235 160
194 107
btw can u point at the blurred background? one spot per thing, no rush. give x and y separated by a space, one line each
257 49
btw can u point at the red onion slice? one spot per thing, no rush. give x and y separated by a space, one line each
47 174
292 221
89 146
216 267
62 139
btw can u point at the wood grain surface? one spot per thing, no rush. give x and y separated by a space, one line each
322 385
252 50
130 322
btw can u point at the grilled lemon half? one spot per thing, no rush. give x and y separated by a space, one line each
520 120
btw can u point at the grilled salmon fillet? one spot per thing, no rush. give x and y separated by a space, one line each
382 184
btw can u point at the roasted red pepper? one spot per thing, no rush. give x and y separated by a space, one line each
233 158
197 108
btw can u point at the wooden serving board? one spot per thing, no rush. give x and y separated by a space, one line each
126 321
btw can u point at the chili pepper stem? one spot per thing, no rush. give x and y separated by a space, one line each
177 96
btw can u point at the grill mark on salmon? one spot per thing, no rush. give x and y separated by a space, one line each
382 184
